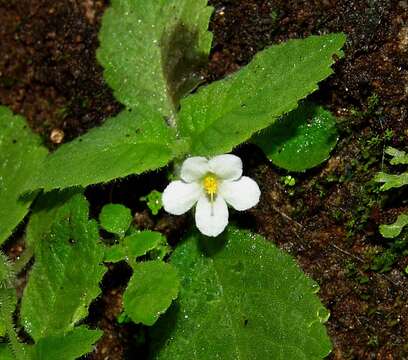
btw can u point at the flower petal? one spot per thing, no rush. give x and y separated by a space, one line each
194 168
211 218
226 167
179 197
241 194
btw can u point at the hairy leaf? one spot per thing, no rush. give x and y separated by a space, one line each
8 302
130 143
66 273
150 50
7 273
227 112
115 218
20 155
152 288
240 298
69 346
394 229
301 140
43 213
391 181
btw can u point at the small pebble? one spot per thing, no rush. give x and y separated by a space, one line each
57 136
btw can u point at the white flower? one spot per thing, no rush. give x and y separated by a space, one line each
211 183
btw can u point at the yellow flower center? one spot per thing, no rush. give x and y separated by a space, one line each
210 185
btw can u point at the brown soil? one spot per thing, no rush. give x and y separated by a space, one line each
328 220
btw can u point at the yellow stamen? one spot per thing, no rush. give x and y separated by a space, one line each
210 185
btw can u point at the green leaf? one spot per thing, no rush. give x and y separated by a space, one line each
115 218
3 330
6 353
135 245
152 288
150 50
8 302
398 156
391 181
227 112
115 253
127 144
43 213
241 298
20 155
69 346
301 140
394 229
154 201
66 273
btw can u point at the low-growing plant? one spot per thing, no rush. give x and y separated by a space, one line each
399 244
153 201
234 296
394 181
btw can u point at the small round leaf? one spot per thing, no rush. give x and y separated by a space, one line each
115 218
300 140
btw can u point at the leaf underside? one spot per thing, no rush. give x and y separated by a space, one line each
240 298
164 42
300 140
131 143
20 155
227 112
66 273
